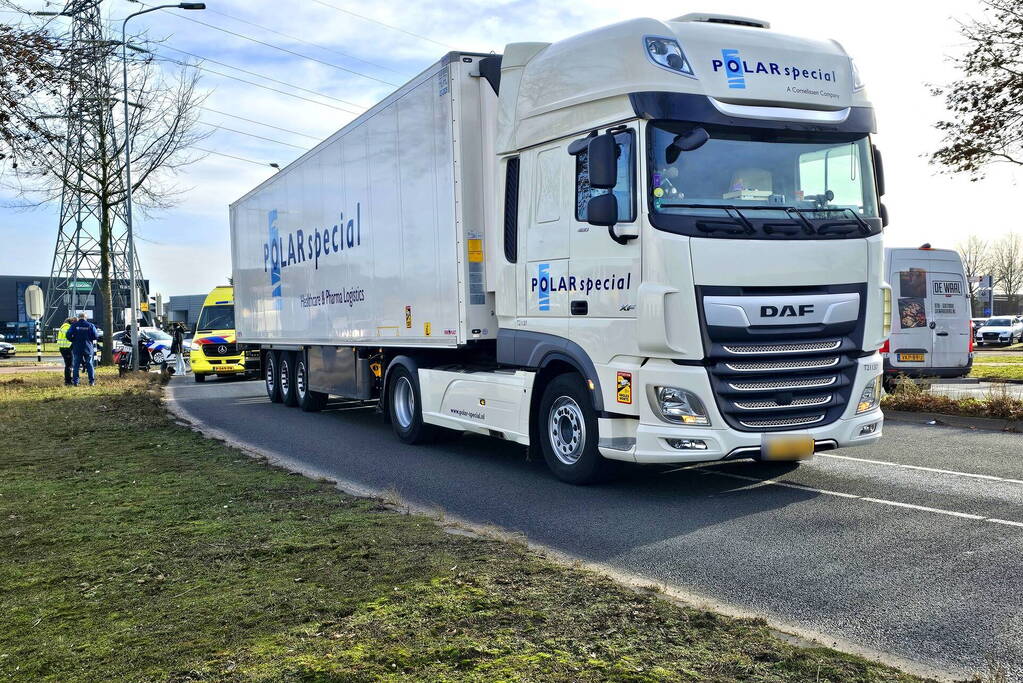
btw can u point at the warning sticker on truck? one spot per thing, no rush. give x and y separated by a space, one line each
624 386
408 317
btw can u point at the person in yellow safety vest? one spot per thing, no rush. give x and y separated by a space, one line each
64 346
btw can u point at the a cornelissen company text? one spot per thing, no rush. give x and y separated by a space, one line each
329 298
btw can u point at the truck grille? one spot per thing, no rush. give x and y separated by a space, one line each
780 377
767 365
783 422
804 402
785 384
741 349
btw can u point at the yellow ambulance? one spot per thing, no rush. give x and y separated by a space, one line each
214 346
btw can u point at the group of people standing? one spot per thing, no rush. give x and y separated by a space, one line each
76 340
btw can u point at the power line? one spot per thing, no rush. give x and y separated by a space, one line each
258 85
260 123
282 49
375 21
302 40
251 135
231 156
259 75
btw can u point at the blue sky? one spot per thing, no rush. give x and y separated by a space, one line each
184 250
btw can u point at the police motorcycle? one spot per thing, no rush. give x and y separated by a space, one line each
154 351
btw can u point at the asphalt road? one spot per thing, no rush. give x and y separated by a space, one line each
912 548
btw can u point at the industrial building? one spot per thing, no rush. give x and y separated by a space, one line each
16 326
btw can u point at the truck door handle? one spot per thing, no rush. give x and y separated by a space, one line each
581 307
941 334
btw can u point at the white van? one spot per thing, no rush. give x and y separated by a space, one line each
931 327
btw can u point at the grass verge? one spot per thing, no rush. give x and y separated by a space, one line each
997 404
135 549
986 371
30 347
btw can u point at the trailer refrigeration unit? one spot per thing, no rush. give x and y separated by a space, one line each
654 242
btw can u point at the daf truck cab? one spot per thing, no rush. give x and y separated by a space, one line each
214 346
653 242
932 334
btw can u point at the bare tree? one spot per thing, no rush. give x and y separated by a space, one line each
1007 267
976 258
30 65
162 127
986 103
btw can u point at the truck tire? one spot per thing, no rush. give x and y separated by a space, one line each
286 378
567 425
405 408
270 379
308 400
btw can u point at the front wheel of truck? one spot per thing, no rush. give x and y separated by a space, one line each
567 425
405 408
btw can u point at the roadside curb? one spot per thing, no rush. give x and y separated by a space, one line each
792 633
940 419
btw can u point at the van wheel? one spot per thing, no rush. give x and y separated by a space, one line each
308 400
567 425
286 378
405 408
273 390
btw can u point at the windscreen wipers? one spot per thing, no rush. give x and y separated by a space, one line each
795 217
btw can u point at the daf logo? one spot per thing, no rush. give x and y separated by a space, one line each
787 311
222 350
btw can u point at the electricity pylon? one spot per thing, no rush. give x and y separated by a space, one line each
77 263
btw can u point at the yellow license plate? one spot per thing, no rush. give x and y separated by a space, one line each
786 446
911 357
224 370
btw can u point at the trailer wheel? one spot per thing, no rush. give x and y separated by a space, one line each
273 390
286 378
405 408
567 425
308 400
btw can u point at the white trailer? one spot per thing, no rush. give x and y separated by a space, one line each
652 242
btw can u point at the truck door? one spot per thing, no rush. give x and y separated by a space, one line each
547 240
605 275
912 338
950 314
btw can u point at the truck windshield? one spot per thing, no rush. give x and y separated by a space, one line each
761 183
216 318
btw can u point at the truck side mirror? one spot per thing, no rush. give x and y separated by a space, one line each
602 158
878 170
883 210
687 142
602 210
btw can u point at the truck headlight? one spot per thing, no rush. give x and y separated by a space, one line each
667 53
679 406
870 398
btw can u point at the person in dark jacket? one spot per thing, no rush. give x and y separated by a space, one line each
83 336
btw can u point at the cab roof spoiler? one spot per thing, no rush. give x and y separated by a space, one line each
711 18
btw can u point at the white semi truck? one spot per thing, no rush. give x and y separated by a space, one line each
653 242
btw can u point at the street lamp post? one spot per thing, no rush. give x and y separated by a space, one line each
127 173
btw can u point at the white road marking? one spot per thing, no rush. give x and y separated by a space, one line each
867 499
972 475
